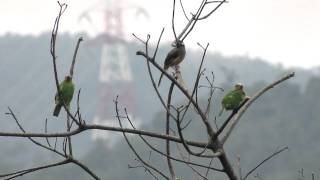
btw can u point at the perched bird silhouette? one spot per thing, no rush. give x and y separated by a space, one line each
66 89
174 57
233 98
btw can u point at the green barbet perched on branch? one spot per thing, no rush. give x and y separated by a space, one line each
66 89
233 98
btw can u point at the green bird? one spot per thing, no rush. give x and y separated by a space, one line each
233 98
66 89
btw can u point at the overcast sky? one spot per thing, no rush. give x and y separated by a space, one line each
280 31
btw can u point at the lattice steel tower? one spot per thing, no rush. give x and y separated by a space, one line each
115 76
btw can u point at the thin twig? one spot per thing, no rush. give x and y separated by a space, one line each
184 12
239 166
196 82
85 168
54 35
46 131
53 44
165 155
171 170
132 148
157 47
207 15
265 160
149 68
193 169
186 125
74 57
29 137
212 89
208 2
195 19
69 137
208 169
187 28
78 112
172 23
30 170
147 170
185 145
142 41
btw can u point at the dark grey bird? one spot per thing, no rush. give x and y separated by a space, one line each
174 57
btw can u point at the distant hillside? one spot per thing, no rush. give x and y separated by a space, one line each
286 116
26 73
27 85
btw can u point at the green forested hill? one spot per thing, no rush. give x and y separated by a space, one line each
286 116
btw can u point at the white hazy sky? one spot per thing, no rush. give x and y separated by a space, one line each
280 31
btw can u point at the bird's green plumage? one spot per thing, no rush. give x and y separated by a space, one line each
66 89
233 99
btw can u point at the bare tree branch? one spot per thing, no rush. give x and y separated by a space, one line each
30 138
215 144
184 12
30 170
197 17
184 91
74 56
265 160
172 23
208 169
165 155
224 125
252 99
188 159
239 166
149 69
106 128
85 168
171 170
147 170
132 148
54 35
200 154
195 87
207 15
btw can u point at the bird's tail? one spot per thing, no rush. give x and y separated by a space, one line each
222 109
160 79
57 109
